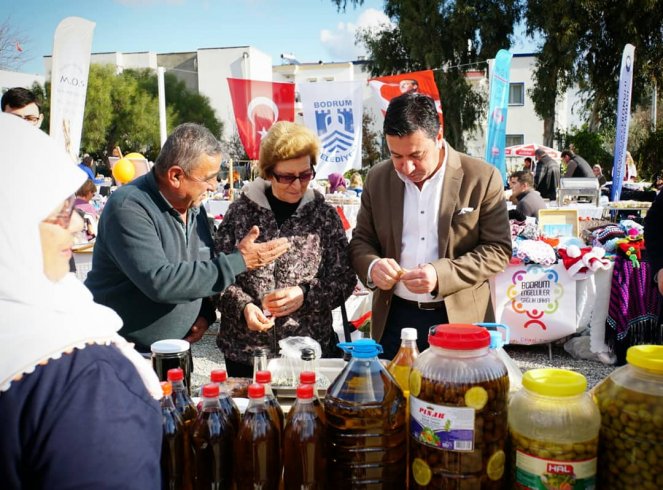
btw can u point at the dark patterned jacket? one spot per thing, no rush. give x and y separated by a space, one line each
318 257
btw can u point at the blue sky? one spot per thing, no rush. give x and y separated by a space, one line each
312 30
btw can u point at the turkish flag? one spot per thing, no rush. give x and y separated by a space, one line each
258 105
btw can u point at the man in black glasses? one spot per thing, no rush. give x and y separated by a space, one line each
154 260
22 103
432 229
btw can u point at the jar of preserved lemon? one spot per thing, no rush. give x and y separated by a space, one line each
458 412
554 429
631 404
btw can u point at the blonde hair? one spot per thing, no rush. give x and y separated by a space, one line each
285 141
356 180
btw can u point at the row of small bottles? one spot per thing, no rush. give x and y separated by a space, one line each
213 447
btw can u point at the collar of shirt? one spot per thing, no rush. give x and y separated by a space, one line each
421 213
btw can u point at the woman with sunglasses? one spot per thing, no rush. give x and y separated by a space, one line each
78 405
294 295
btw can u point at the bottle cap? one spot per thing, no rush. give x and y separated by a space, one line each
308 354
175 374
166 388
307 377
459 336
218 376
263 377
554 382
211 391
256 390
305 392
362 348
170 346
649 357
408 334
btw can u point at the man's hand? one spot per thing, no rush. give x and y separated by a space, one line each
386 273
197 330
283 302
421 280
256 319
257 255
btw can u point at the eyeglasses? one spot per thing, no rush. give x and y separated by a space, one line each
63 218
30 118
209 180
290 179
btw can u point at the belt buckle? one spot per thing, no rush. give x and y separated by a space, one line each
421 306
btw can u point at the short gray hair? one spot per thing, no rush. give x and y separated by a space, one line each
185 145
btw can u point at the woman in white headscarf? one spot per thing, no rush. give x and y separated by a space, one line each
78 406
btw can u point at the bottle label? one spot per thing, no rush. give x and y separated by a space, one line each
534 473
440 426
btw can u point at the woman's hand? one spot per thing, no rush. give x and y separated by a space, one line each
283 302
256 319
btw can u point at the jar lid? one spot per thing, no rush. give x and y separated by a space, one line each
170 346
459 336
554 382
648 357
408 334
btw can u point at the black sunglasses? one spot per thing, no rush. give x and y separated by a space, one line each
290 179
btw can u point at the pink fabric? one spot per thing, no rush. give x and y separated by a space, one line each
335 181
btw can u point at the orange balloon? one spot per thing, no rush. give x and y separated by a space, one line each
124 170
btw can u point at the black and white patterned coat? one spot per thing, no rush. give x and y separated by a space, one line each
318 257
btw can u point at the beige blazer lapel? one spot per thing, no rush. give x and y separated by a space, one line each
453 178
396 197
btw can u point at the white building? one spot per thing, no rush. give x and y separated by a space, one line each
9 79
206 70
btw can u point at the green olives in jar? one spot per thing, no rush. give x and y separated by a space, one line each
458 412
554 431
631 404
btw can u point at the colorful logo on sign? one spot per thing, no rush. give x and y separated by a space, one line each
535 292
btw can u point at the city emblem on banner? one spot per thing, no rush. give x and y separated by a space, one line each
335 125
334 111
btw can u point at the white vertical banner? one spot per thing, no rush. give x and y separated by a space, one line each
334 111
72 44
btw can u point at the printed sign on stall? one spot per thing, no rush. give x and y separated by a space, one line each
537 303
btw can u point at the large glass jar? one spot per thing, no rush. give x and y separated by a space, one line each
458 411
554 429
631 405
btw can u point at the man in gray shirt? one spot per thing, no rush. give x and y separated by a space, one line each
527 200
154 260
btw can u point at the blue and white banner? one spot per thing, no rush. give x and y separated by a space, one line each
334 111
623 120
72 44
497 110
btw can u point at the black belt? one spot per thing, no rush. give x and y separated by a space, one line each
437 305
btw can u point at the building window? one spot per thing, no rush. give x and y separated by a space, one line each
515 139
328 79
312 79
516 94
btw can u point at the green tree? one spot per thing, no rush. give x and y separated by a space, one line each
370 142
186 105
448 36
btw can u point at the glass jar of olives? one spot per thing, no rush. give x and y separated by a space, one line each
458 411
631 405
554 429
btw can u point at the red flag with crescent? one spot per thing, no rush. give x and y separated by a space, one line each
258 105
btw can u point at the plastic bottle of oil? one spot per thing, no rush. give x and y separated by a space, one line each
257 451
172 459
308 378
365 420
228 405
304 444
275 410
185 406
212 438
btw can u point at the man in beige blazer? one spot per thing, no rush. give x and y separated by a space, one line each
432 229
